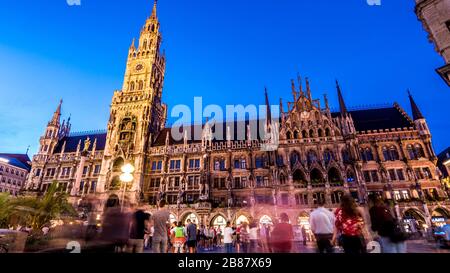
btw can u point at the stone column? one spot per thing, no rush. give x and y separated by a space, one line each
78 176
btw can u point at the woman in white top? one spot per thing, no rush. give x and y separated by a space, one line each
228 238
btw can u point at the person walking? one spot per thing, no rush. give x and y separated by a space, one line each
305 239
253 236
350 224
245 238
137 231
282 236
178 236
322 223
228 238
391 237
191 231
160 221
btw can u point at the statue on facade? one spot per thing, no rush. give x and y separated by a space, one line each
180 197
274 196
87 144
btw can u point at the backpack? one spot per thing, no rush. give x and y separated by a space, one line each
179 232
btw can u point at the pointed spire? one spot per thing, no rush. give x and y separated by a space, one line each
294 92
132 46
299 79
341 100
57 115
415 109
325 98
308 89
154 15
281 106
269 111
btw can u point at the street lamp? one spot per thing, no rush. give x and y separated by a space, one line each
126 177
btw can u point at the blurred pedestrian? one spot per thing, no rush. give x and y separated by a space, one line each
228 238
282 236
392 239
322 222
350 224
160 220
253 236
139 221
115 227
304 236
244 238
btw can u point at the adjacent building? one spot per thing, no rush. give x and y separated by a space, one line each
14 169
286 164
435 17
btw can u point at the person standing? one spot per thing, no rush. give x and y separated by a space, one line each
245 238
305 239
392 239
228 238
350 224
191 236
282 236
137 231
322 222
160 223
178 238
253 236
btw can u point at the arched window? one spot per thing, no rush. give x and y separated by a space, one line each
311 133
328 156
336 197
394 153
411 152
320 132
317 179
145 44
368 154
328 132
295 157
312 157
419 150
296 135
386 154
141 85
299 179
334 177
304 134
132 86
243 163
288 135
118 163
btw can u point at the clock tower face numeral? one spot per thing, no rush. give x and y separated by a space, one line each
139 67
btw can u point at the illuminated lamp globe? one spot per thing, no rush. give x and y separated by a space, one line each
128 168
126 177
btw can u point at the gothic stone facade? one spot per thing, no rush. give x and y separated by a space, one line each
321 155
435 17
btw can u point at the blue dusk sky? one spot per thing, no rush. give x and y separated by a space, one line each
225 51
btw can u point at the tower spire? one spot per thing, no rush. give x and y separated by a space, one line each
154 15
269 111
342 105
299 79
57 115
294 92
415 109
308 89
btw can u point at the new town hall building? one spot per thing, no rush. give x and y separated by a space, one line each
321 155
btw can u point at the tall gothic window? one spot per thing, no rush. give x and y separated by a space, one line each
132 86
141 85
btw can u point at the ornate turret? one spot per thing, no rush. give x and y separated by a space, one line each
342 106
419 119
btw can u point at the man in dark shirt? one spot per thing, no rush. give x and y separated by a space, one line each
192 236
137 231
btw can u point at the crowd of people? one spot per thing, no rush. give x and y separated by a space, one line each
345 229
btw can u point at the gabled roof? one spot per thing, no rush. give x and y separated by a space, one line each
18 160
379 119
73 140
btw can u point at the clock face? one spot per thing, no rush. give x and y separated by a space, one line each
139 67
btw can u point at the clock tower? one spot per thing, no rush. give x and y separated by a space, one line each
137 112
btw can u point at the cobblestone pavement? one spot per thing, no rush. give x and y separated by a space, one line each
416 246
